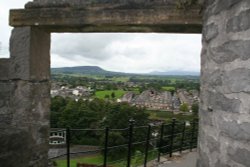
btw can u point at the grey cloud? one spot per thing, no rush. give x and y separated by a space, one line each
90 46
130 52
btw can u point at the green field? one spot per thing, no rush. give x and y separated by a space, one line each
120 79
73 161
103 93
168 88
98 160
167 116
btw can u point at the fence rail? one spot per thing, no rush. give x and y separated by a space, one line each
169 138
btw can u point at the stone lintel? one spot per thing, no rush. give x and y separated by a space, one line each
125 4
109 20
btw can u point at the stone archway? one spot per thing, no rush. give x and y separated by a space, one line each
24 78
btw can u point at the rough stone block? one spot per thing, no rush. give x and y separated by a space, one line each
237 80
219 102
4 69
212 144
236 131
39 144
20 53
213 78
203 160
228 81
30 54
14 147
208 3
30 111
222 5
239 23
5 119
26 89
20 146
221 164
205 117
210 31
31 103
240 155
6 90
230 51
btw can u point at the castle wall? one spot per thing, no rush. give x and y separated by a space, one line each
25 99
224 137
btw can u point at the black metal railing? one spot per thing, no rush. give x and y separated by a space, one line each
160 140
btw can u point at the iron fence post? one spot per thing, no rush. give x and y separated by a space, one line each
131 126
182 136
161 141
68 145
147 146
192 135
106 147
172 137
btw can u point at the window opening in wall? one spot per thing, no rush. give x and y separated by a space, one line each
107 88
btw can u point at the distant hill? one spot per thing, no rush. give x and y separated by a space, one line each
95 70
176 73
91 70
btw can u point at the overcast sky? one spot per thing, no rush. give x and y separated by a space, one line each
123 52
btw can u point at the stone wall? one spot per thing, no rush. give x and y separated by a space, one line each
25 99
224 139
224 136
24 78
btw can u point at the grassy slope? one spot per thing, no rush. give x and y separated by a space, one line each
88 160
167 116
98 160
101 94
168 88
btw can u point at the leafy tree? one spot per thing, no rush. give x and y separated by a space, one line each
113 95
195 108
137 158
124 112
66 112
115 139
172 91
184 107
106 96
57 105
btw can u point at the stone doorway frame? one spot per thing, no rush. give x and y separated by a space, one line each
25 77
